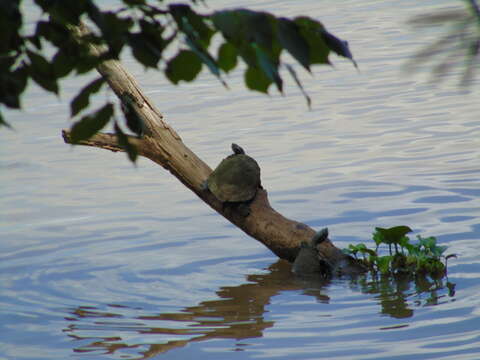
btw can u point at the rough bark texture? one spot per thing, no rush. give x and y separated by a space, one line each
163 145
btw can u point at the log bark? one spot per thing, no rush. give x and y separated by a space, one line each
163 145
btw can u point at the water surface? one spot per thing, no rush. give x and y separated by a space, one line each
104 260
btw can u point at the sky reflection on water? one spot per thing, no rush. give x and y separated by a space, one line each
101 260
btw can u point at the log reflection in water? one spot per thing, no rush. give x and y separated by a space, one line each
239 314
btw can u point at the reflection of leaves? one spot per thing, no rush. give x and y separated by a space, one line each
394 293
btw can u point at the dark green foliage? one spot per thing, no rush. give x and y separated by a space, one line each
82 99
12 83
185 66
338 46
255 79
293 73
90 124
312 31
42 72
421 258
148 28
133 120
290 38
227 57
3 122
130 149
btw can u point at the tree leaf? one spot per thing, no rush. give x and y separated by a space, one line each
123 141
12 84
255 79
152 33
184 66
82 99
65 11
90 124
269 66
133 120
55 33
231 24
3 122
227 57
289 37
311 30
340 47
234 26
260 29
192 24
143 51
293 73
63 64
204 56
10 27
42 72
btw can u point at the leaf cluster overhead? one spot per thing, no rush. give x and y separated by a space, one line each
149 28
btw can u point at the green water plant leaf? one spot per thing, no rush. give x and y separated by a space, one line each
393 235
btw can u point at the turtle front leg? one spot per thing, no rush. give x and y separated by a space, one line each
204 185
243 209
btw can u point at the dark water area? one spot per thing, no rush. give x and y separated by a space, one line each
102 260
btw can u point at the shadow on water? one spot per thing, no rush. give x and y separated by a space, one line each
238 314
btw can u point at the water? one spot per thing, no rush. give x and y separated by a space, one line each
104 260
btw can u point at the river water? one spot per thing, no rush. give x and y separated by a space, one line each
104 260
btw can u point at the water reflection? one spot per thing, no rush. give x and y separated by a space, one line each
394 294
239 313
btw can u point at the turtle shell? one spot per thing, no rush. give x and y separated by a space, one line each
236 179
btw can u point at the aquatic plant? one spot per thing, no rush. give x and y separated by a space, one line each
421 257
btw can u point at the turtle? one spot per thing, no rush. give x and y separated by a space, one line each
308 261
235 180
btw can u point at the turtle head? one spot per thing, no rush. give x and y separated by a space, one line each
237 149
319 237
